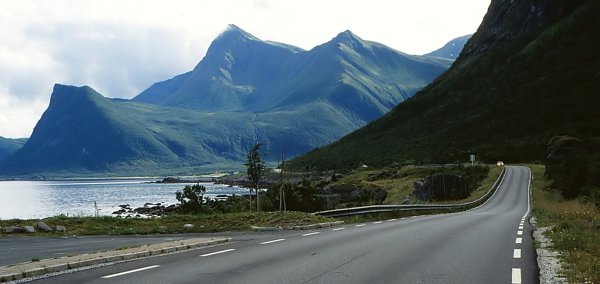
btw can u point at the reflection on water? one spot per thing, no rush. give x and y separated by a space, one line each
39 199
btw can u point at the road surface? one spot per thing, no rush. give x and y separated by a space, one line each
489 244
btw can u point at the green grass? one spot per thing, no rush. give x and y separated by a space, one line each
576 233
173 224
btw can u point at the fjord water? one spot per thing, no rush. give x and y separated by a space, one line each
40 199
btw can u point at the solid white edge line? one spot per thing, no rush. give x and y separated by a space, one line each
528 194
272 241
516 276
518 240
519 233
338 229
517 253
217 252
310 234
130 271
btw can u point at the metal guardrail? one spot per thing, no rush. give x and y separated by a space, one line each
407 207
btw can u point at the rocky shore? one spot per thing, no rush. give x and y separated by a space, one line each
148 210
39 227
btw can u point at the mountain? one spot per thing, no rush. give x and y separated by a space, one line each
244 90
245 74
528 74
452 49
9 146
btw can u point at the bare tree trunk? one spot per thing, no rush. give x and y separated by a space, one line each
257 200
281 197
250 199
284 205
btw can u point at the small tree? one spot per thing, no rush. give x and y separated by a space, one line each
255 170
191 198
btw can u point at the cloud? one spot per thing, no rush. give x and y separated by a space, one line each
118 61
121 47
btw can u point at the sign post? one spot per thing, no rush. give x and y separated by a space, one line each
472 159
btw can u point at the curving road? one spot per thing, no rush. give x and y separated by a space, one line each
489 244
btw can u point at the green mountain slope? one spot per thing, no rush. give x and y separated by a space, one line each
530 72
9 146
243 73
84 133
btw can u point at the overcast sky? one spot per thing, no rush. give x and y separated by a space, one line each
121 47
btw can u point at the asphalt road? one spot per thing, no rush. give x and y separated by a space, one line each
21 249
484 245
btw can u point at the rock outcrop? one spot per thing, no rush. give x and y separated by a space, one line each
441 187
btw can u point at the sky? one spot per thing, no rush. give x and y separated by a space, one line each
121 47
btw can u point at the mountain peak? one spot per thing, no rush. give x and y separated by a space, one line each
346 37
63 95
233 30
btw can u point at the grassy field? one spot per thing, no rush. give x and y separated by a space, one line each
576 232
400 185
173 223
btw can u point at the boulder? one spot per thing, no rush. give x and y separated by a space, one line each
60 228
14 230
44 227
188 226
29 229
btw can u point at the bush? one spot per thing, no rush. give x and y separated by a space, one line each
302 197
234 203
573 165
191 199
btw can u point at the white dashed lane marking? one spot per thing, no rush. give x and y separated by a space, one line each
217 252
273 241
378 222
519 233
130 271
360 225
516 276
391 220
310 234
517 253
518 240
337 229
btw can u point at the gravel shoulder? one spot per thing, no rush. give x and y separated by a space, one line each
548 260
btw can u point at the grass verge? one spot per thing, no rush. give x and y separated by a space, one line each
172 224
576 231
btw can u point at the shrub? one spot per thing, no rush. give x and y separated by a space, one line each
191 199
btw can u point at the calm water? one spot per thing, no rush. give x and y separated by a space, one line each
39 199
